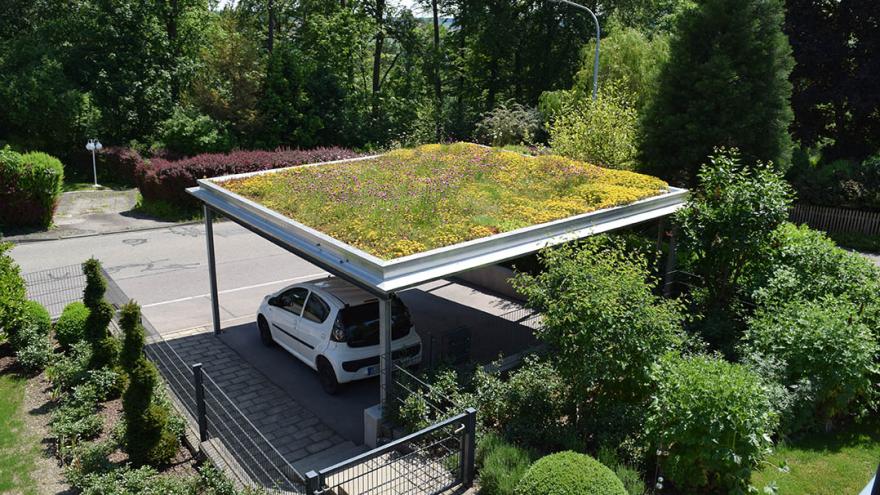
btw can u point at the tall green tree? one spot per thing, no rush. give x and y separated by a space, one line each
726 84
835 44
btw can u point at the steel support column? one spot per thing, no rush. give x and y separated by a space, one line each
212 268
671 258
386 378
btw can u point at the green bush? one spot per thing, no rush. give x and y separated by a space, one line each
88 458
34 349
569 473
13 292
630 477
802 263
501 465
31 339
606 327
149 436
30 185
71 368
70 327
104 346
711 422
826 357
189 133
509 123
137 481
729 222
602 132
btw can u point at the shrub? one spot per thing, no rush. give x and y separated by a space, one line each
630 477
729 221
502 465
70 327
88 458
30 185
509 123
567 473
826 356
118 164
188 133
711 422
13 292
601 131
104 346
136 481
606 328
34 349
71 368
148 438
163 180
35 319
804 264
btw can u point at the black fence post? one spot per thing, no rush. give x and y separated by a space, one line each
469 444
312 483
201 414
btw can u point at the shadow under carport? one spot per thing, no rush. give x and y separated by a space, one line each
343 412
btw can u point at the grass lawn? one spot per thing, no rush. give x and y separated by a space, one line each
413 200
17 451
838 463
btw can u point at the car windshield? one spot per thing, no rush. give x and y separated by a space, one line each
361 323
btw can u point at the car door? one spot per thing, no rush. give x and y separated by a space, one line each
313 329
286 315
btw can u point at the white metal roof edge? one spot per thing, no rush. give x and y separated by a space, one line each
390 275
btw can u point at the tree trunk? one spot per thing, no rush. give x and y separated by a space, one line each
438 88
377 54
270 37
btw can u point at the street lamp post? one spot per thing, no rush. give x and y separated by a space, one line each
598 36
94 145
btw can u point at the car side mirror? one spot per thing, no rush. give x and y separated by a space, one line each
273 301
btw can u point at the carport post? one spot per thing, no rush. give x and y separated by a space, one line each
386 379
212 268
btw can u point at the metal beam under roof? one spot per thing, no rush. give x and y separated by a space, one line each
383 277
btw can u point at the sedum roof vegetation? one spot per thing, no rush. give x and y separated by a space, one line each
413 200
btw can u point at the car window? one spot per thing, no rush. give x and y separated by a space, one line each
316 309
292 300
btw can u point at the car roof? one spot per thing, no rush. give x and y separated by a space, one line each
347 293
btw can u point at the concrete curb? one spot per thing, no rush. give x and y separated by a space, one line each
96 234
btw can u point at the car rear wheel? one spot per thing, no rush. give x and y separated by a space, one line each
265 334
327 377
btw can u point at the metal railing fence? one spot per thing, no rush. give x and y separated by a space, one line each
427 462
55 288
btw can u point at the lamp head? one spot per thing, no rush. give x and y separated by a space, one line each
90 146
98 145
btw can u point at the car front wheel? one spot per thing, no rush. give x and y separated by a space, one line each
327 377
265 334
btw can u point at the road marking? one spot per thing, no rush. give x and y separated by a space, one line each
237 289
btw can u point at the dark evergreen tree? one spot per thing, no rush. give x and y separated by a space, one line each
835 44
104 346
726 84
147 437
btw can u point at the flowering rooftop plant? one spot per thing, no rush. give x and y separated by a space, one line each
412 200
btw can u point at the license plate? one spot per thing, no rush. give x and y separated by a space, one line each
372 370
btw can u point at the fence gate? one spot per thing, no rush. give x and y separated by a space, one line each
428 462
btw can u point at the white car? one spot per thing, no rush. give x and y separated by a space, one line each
333 326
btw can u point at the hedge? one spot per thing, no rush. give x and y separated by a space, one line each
164 180
30 185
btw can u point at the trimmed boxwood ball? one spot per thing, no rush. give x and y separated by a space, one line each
71 325
569 473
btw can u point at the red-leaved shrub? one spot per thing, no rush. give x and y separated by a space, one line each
164 180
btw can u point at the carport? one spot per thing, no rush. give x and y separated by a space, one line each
382 277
